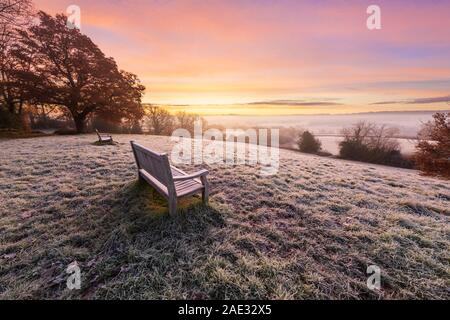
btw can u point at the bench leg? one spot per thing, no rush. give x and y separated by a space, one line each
172 206
205 196
205 192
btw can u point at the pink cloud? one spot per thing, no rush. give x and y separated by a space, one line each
267 47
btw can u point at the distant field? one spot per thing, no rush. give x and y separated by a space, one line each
307 233
325 125
407 122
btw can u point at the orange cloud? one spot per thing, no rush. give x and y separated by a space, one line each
241 51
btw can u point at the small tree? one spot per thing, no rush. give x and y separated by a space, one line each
308 143
158 120
433 148
186 120
372 143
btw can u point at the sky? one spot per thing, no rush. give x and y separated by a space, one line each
276 56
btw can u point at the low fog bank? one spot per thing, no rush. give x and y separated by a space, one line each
407 122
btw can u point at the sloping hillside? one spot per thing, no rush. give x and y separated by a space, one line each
309 232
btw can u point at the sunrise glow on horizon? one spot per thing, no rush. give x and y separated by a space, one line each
276 57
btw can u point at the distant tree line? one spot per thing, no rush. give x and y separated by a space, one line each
368 142
159 121
373 143
47 67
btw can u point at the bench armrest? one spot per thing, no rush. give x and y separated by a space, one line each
198 174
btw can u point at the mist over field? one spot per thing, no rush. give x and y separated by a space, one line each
328 127
407 122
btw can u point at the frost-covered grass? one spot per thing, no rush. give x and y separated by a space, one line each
309 232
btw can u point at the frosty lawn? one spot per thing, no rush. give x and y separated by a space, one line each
309 232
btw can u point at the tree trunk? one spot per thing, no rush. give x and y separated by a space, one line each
80 124
11 106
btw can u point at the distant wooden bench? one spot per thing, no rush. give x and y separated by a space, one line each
104 138
172 183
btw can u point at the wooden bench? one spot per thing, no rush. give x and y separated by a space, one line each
172 183
104 138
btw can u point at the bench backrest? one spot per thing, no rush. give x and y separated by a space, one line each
156 164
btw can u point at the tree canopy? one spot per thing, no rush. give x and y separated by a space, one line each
14 14
67 69
433 148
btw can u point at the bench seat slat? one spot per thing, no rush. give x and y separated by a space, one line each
154 182
186 187
189 191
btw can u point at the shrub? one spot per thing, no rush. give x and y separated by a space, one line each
104 125
158 120
353 150
9 120
132 126
371 143
64 132
45 121
433 148
308 143
49 123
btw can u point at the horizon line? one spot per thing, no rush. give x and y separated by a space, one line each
300 114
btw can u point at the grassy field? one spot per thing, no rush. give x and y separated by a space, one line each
309 232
